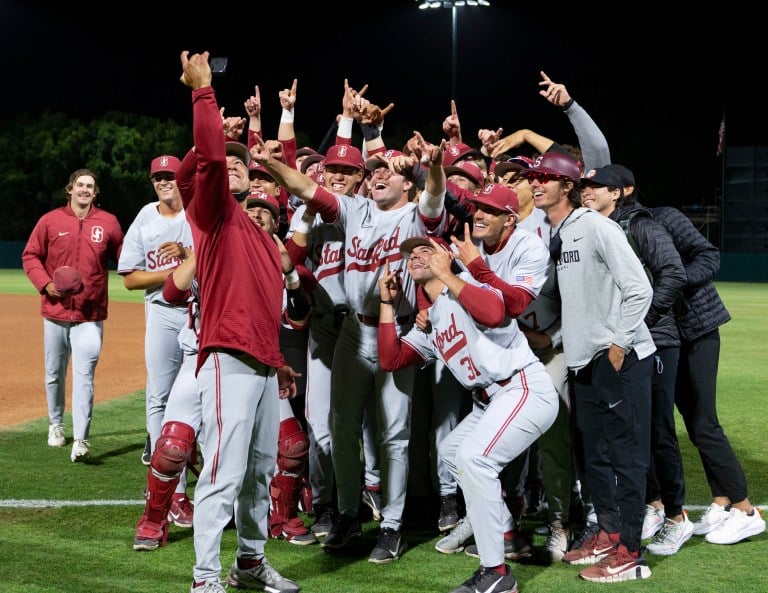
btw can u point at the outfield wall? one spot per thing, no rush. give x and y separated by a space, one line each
734 267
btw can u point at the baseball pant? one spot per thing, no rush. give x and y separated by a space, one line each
83 341
239 397
485 441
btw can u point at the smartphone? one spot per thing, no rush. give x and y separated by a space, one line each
218 65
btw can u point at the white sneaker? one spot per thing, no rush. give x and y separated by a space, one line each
652 522
712 518
81 450
56 435
262 577
209 586
736 527
557 544
671 537
453 543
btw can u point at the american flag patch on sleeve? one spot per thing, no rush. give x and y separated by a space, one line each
524 279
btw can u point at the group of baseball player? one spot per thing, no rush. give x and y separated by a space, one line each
299 303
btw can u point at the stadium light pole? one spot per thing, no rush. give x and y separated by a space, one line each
454 5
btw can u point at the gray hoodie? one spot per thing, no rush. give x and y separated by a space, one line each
604 290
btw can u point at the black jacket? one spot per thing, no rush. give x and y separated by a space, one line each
656 250
706 311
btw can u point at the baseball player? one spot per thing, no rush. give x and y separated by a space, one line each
175 447
515 401
241 370
540 323
84 237
286 486
154 245
373 230
321 246
514 261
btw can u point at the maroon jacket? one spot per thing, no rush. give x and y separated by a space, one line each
60 238
238 264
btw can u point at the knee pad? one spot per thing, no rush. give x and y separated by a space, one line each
292 447
173 449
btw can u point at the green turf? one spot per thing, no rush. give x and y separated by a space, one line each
14 281
88 549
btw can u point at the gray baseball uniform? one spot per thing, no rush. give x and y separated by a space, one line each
373 236
325 259
520 404
164 321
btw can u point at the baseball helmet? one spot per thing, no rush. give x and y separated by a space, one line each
556 163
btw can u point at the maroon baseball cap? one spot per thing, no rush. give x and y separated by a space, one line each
259 198
305 151
408 245
164 164
467 169
344 155
498 196
239 150
557 164
381 159
516 163
255 167
67 280
459 151
310 160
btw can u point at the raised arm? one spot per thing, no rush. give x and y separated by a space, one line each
594 146
286 132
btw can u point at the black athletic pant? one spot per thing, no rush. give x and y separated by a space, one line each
666 480
613 415
696 399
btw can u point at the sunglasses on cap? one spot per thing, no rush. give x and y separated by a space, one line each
542 177
158 177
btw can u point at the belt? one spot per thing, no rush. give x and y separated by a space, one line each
373 320
481 397
262 369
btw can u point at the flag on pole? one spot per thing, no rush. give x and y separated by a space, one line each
721 137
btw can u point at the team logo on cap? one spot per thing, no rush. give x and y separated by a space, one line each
163 161
488 189
453 150
342 152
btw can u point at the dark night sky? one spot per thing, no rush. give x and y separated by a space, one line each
657 86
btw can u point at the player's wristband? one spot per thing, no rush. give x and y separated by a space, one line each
292 277
303 226
370 132
286 117
567 106
383 302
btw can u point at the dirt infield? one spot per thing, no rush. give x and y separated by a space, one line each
22 397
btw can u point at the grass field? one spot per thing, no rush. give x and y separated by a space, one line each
68 528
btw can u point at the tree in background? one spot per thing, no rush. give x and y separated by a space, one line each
39 152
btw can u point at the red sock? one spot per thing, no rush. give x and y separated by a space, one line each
246 563
510 535
501 569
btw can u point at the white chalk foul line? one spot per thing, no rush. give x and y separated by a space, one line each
38 504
